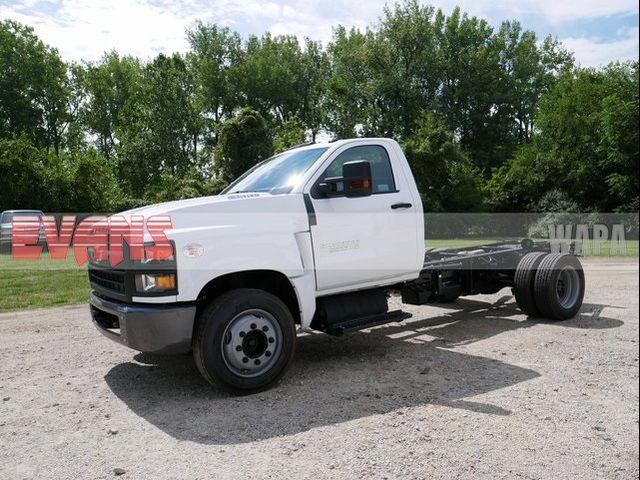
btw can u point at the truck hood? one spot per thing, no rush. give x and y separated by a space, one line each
191 204
250 212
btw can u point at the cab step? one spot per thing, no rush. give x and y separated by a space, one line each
368 321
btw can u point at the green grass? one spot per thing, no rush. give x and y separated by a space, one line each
26 284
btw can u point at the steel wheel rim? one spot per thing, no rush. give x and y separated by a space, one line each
251 343
568 287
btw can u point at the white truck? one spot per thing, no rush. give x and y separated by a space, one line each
314 238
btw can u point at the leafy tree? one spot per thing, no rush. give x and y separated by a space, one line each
92 184
22 167
407 64
618 148
290 133
471 75
111 87
587 145
76 138
351 90
55 101
485 84
446 178
36 179
243 142
192 185
517 184
466 100
529 70
162 126
589 124
315 75
34 88
280 79
213 60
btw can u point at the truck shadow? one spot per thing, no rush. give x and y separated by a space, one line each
335 380
484 320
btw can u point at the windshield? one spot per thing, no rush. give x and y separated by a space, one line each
278 174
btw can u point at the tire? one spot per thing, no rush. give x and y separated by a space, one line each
559 286
244 341
523 283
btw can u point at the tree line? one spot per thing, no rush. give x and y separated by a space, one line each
491 119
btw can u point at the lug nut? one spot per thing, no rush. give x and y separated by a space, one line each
257 362
245 360
265 328
253 326
271 339
267 353
239 348
242 334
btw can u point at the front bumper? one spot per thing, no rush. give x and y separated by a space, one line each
165 329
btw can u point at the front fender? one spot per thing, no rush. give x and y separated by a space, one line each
229 249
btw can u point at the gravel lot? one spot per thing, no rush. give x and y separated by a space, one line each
470 390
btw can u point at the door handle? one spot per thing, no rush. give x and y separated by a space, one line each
395 206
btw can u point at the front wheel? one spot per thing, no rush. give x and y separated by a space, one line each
244 340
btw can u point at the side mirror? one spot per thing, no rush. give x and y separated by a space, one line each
357 179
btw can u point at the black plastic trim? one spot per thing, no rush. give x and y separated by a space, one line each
129 269
311 213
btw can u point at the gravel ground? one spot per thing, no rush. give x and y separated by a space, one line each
470 390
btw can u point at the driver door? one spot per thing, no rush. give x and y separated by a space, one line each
364 239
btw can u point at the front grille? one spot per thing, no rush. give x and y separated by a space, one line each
112 280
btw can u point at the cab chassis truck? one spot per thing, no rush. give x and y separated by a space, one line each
315 238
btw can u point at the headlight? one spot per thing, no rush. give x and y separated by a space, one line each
156 276
155 282
149 258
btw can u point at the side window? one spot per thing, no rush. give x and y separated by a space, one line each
382 176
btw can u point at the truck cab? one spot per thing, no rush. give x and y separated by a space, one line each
313 238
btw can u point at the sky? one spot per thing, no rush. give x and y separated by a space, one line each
598 31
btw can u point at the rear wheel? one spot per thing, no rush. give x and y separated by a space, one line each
559 286
524 282
244 340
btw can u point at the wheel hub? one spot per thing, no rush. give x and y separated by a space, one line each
561 289
568 287
251 343
254 344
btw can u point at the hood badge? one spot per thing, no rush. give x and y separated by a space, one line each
193 250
